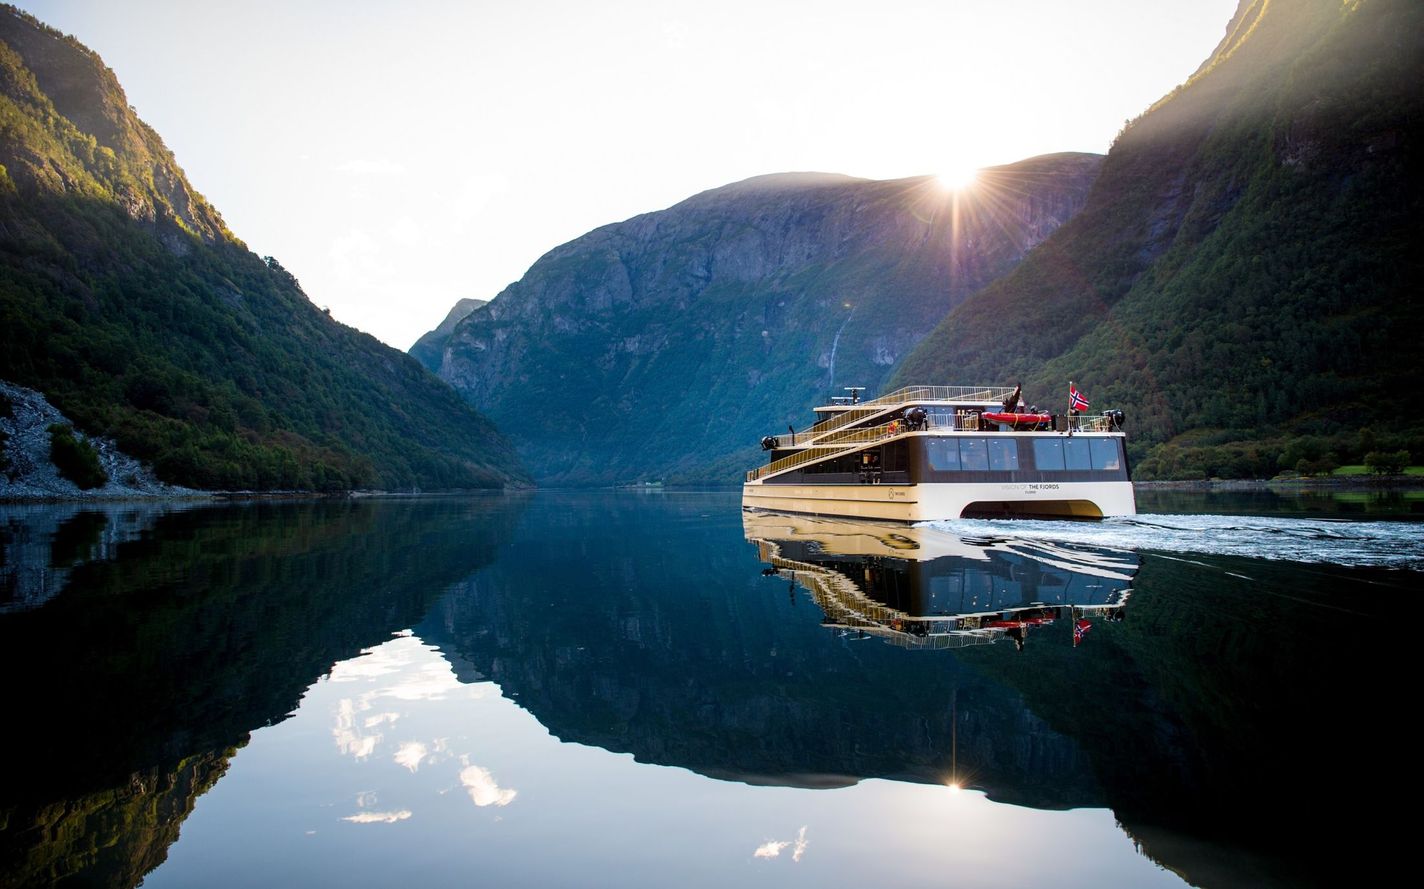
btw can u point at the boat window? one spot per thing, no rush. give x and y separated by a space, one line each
1048 454
973 453
1003 453
1075 453
943 453
1105 454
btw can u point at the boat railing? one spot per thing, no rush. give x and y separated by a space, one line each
833 443
908 395
1095 423
828 446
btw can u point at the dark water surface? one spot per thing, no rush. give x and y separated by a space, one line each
622 689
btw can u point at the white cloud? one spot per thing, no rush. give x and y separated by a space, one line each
774 848
350 739
771 848
378 817
483 789
410 754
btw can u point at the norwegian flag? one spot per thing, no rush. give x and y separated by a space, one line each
1076 401
1080 629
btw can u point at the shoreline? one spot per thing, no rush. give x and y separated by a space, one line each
191 496
1398 482
1360 482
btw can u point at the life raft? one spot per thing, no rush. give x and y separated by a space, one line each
1020 421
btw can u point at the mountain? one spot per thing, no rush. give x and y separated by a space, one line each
665 346
1242 278
125 299
429 348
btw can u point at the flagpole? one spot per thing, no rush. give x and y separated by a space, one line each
1070 408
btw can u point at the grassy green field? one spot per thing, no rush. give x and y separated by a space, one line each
1361 469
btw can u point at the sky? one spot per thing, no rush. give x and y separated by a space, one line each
399 156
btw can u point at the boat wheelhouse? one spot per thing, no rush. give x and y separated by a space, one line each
943 452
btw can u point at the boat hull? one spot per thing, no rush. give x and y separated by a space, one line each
935 500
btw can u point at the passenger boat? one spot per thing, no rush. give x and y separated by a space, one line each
923 453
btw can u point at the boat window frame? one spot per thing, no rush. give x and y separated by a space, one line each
1053 448
975 442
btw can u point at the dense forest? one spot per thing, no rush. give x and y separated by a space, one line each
128 303
1242 279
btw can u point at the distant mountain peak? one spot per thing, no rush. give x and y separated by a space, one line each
666 345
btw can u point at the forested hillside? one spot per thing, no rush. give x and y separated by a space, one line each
1242 280
128 303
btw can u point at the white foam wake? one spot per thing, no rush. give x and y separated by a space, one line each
1357 544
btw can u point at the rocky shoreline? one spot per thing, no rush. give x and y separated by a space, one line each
31 476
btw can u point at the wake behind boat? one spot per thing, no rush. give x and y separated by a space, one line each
925 453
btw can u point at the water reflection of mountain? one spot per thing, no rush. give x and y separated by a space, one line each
40 544
133 684
1202 719
642 632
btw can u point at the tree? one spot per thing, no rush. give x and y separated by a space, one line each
1387 463
75 458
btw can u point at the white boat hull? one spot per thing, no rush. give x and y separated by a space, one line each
939 500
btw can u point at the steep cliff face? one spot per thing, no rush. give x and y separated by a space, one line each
664 346
113 154
1246 263
126 301
430 349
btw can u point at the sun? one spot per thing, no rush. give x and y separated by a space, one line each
957 178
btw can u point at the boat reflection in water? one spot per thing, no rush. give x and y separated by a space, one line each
926 589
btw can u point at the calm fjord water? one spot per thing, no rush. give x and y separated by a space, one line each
615 689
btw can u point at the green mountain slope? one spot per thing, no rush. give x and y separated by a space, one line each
665 346
128 303
1243 272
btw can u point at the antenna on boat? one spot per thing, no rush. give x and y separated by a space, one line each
855 393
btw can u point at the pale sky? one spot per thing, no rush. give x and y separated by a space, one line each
398 156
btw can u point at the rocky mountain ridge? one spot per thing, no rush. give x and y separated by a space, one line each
665 346
428 349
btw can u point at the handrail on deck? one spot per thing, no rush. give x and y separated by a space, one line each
835 443
908 395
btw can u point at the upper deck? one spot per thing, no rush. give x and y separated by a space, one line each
839 416
910 411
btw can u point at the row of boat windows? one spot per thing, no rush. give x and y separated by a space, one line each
1049 454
